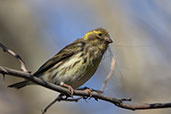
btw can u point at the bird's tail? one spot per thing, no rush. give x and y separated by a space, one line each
20 84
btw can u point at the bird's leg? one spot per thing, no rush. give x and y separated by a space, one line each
69 87
89 90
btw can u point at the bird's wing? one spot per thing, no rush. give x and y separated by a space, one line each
66 52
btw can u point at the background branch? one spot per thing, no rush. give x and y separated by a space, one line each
20 60
110 73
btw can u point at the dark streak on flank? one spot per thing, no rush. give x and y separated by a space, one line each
85 60
75 63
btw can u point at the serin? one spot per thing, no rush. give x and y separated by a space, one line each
76 63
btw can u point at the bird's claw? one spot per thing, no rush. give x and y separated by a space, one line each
69 87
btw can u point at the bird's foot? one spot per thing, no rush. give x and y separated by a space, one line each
69 87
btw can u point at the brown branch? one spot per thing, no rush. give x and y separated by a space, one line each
59 98
49 105
20 60
96 95
110 73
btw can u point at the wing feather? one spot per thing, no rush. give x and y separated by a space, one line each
65 53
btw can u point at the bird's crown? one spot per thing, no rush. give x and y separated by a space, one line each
100 33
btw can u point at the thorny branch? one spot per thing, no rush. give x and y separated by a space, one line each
96 95
118 102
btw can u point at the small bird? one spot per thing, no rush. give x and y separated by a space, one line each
76 63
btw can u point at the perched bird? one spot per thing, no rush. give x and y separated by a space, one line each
76 63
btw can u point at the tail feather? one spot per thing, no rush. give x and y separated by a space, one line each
19 84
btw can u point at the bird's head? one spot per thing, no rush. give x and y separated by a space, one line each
99 34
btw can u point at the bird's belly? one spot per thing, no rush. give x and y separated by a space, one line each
75 75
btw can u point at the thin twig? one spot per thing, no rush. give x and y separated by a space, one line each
50 104
96 95
59 98
20 60
110 73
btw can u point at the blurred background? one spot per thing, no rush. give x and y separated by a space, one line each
38 29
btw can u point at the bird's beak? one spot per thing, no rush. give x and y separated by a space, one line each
108 39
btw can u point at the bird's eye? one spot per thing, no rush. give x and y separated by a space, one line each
100 34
